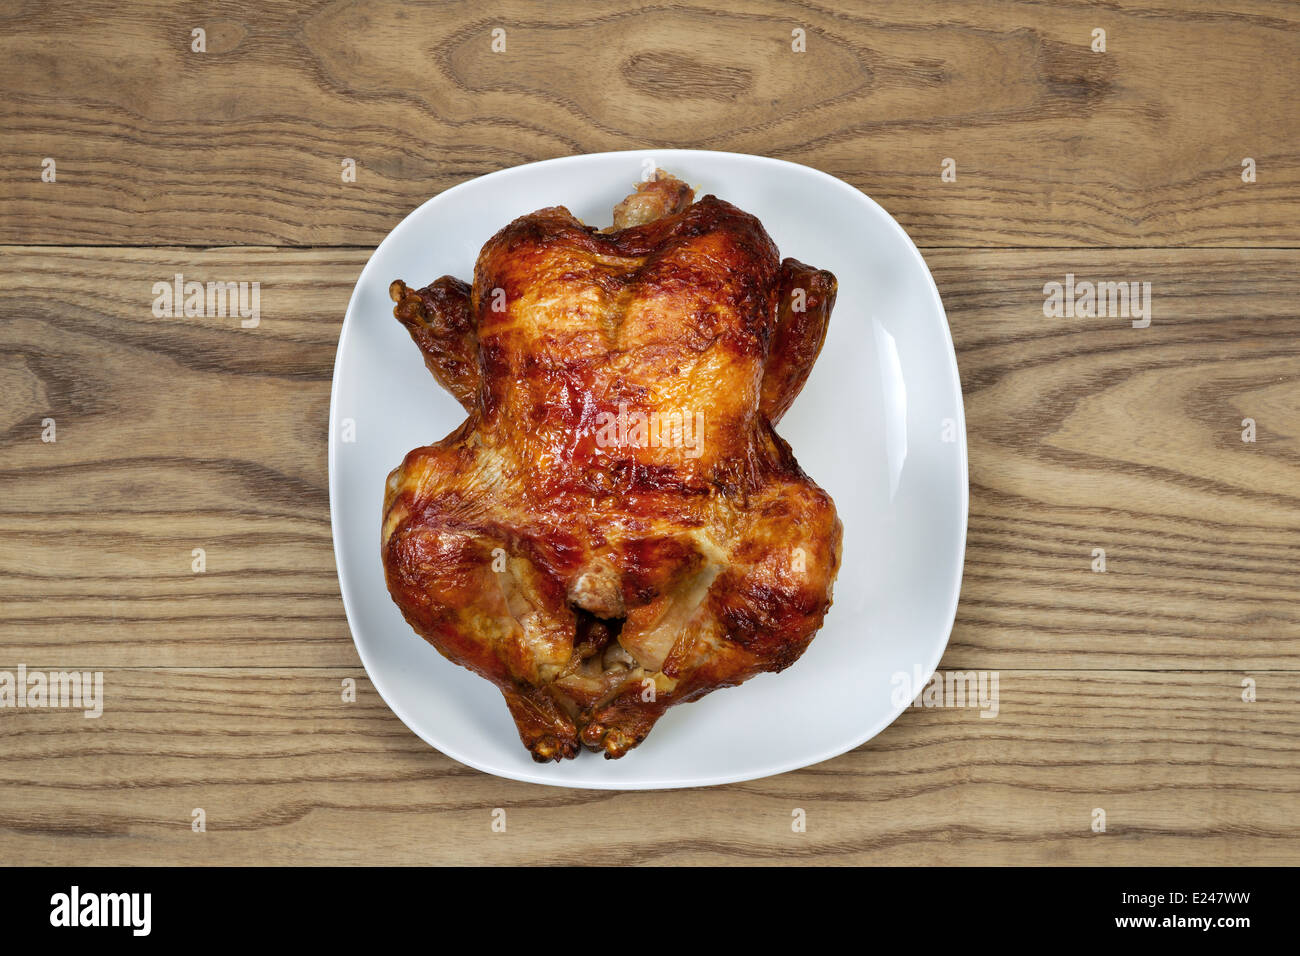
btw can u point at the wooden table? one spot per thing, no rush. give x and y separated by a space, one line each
1121 691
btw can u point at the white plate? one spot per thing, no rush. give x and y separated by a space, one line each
879 426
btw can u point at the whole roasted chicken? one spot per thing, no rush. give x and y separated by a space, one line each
616 527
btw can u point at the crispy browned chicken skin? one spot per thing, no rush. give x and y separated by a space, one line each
616 527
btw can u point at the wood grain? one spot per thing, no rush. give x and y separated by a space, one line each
287 773
1084 433
1088 433
1054 144
1119 690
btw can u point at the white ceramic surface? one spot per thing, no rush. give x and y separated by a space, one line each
869 427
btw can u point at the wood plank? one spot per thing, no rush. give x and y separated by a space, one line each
287 773
1088 433
1055 144
1084 433
172 434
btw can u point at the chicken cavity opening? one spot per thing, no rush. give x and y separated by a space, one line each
596 643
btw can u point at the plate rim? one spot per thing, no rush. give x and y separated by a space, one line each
963 464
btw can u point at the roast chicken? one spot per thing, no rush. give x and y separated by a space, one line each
616 527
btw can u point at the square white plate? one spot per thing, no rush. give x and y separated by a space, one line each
879 425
